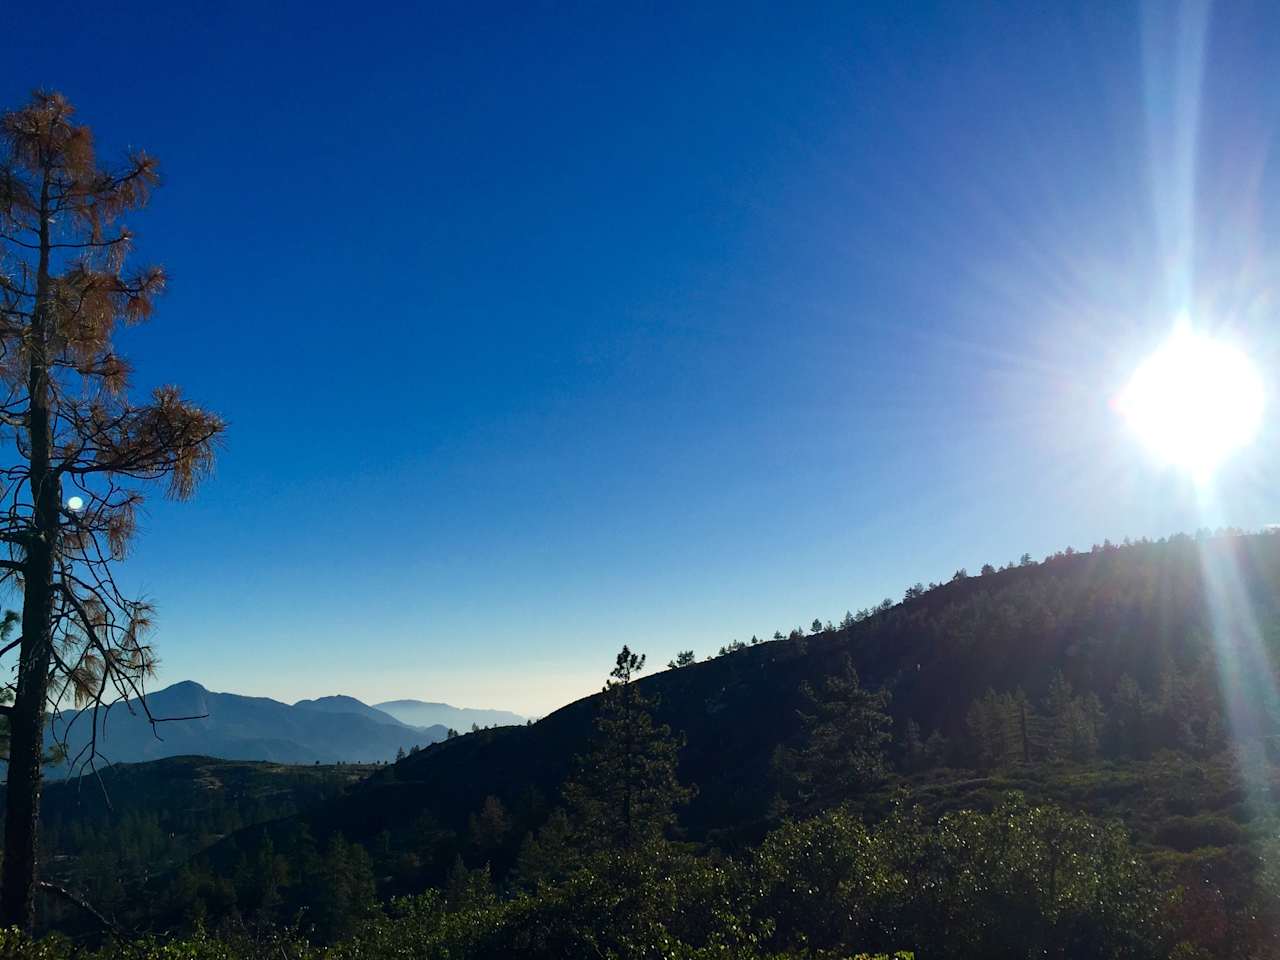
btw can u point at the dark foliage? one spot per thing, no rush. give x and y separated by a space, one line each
1059 783
624 791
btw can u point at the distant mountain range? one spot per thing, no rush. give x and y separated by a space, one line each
416 713
344 704
196 721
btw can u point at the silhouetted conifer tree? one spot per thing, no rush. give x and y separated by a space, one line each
490 826
549 855
912 747
1130 730
70 426
467 889
844 744
625 790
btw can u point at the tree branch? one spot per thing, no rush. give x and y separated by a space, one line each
83 904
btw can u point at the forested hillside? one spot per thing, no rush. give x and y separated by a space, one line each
104 836
1104 654
1093 704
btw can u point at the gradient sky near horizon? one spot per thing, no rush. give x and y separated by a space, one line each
544 328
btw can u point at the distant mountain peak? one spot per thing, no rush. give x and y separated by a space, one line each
341 703
182 686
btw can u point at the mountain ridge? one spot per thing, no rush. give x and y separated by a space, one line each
192 720
341 703
425 713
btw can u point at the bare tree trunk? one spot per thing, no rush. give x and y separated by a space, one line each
26 744
629 786
27 715
1026 741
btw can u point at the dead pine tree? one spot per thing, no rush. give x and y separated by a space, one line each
83 452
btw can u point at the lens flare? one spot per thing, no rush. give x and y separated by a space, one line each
1194 402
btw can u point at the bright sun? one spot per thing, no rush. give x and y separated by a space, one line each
1193 402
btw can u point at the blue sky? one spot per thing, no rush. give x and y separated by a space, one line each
546 328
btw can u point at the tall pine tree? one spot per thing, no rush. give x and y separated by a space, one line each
625 791
847 730
70 427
